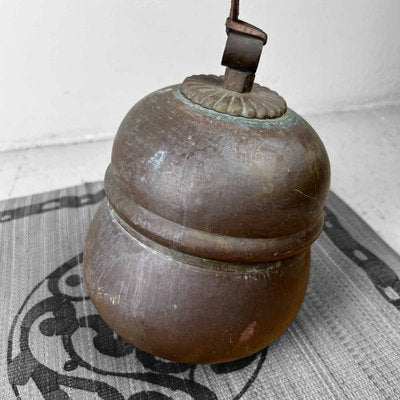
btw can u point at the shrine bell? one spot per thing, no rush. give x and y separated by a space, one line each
200 252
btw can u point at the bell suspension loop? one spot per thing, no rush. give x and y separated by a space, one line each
242 51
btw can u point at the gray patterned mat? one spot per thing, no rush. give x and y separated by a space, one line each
345 343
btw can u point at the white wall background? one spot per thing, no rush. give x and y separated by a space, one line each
71 69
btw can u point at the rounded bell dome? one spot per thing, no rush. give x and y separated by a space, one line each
217 186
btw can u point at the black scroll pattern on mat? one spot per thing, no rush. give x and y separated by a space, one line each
51 205
56 316
385 280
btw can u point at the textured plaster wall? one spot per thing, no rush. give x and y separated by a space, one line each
71 69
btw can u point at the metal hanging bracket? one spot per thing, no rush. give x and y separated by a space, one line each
236 93
242 52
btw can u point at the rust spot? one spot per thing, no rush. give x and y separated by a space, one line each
248 332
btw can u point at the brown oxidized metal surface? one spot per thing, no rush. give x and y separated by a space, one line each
202 253
188 310
216 173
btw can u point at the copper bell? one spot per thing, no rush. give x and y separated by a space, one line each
201 251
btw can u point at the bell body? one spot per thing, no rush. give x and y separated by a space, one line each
201 251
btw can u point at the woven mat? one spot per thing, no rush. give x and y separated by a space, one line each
345 342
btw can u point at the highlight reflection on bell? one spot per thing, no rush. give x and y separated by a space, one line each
201 251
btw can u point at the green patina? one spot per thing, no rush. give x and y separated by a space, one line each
286 121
